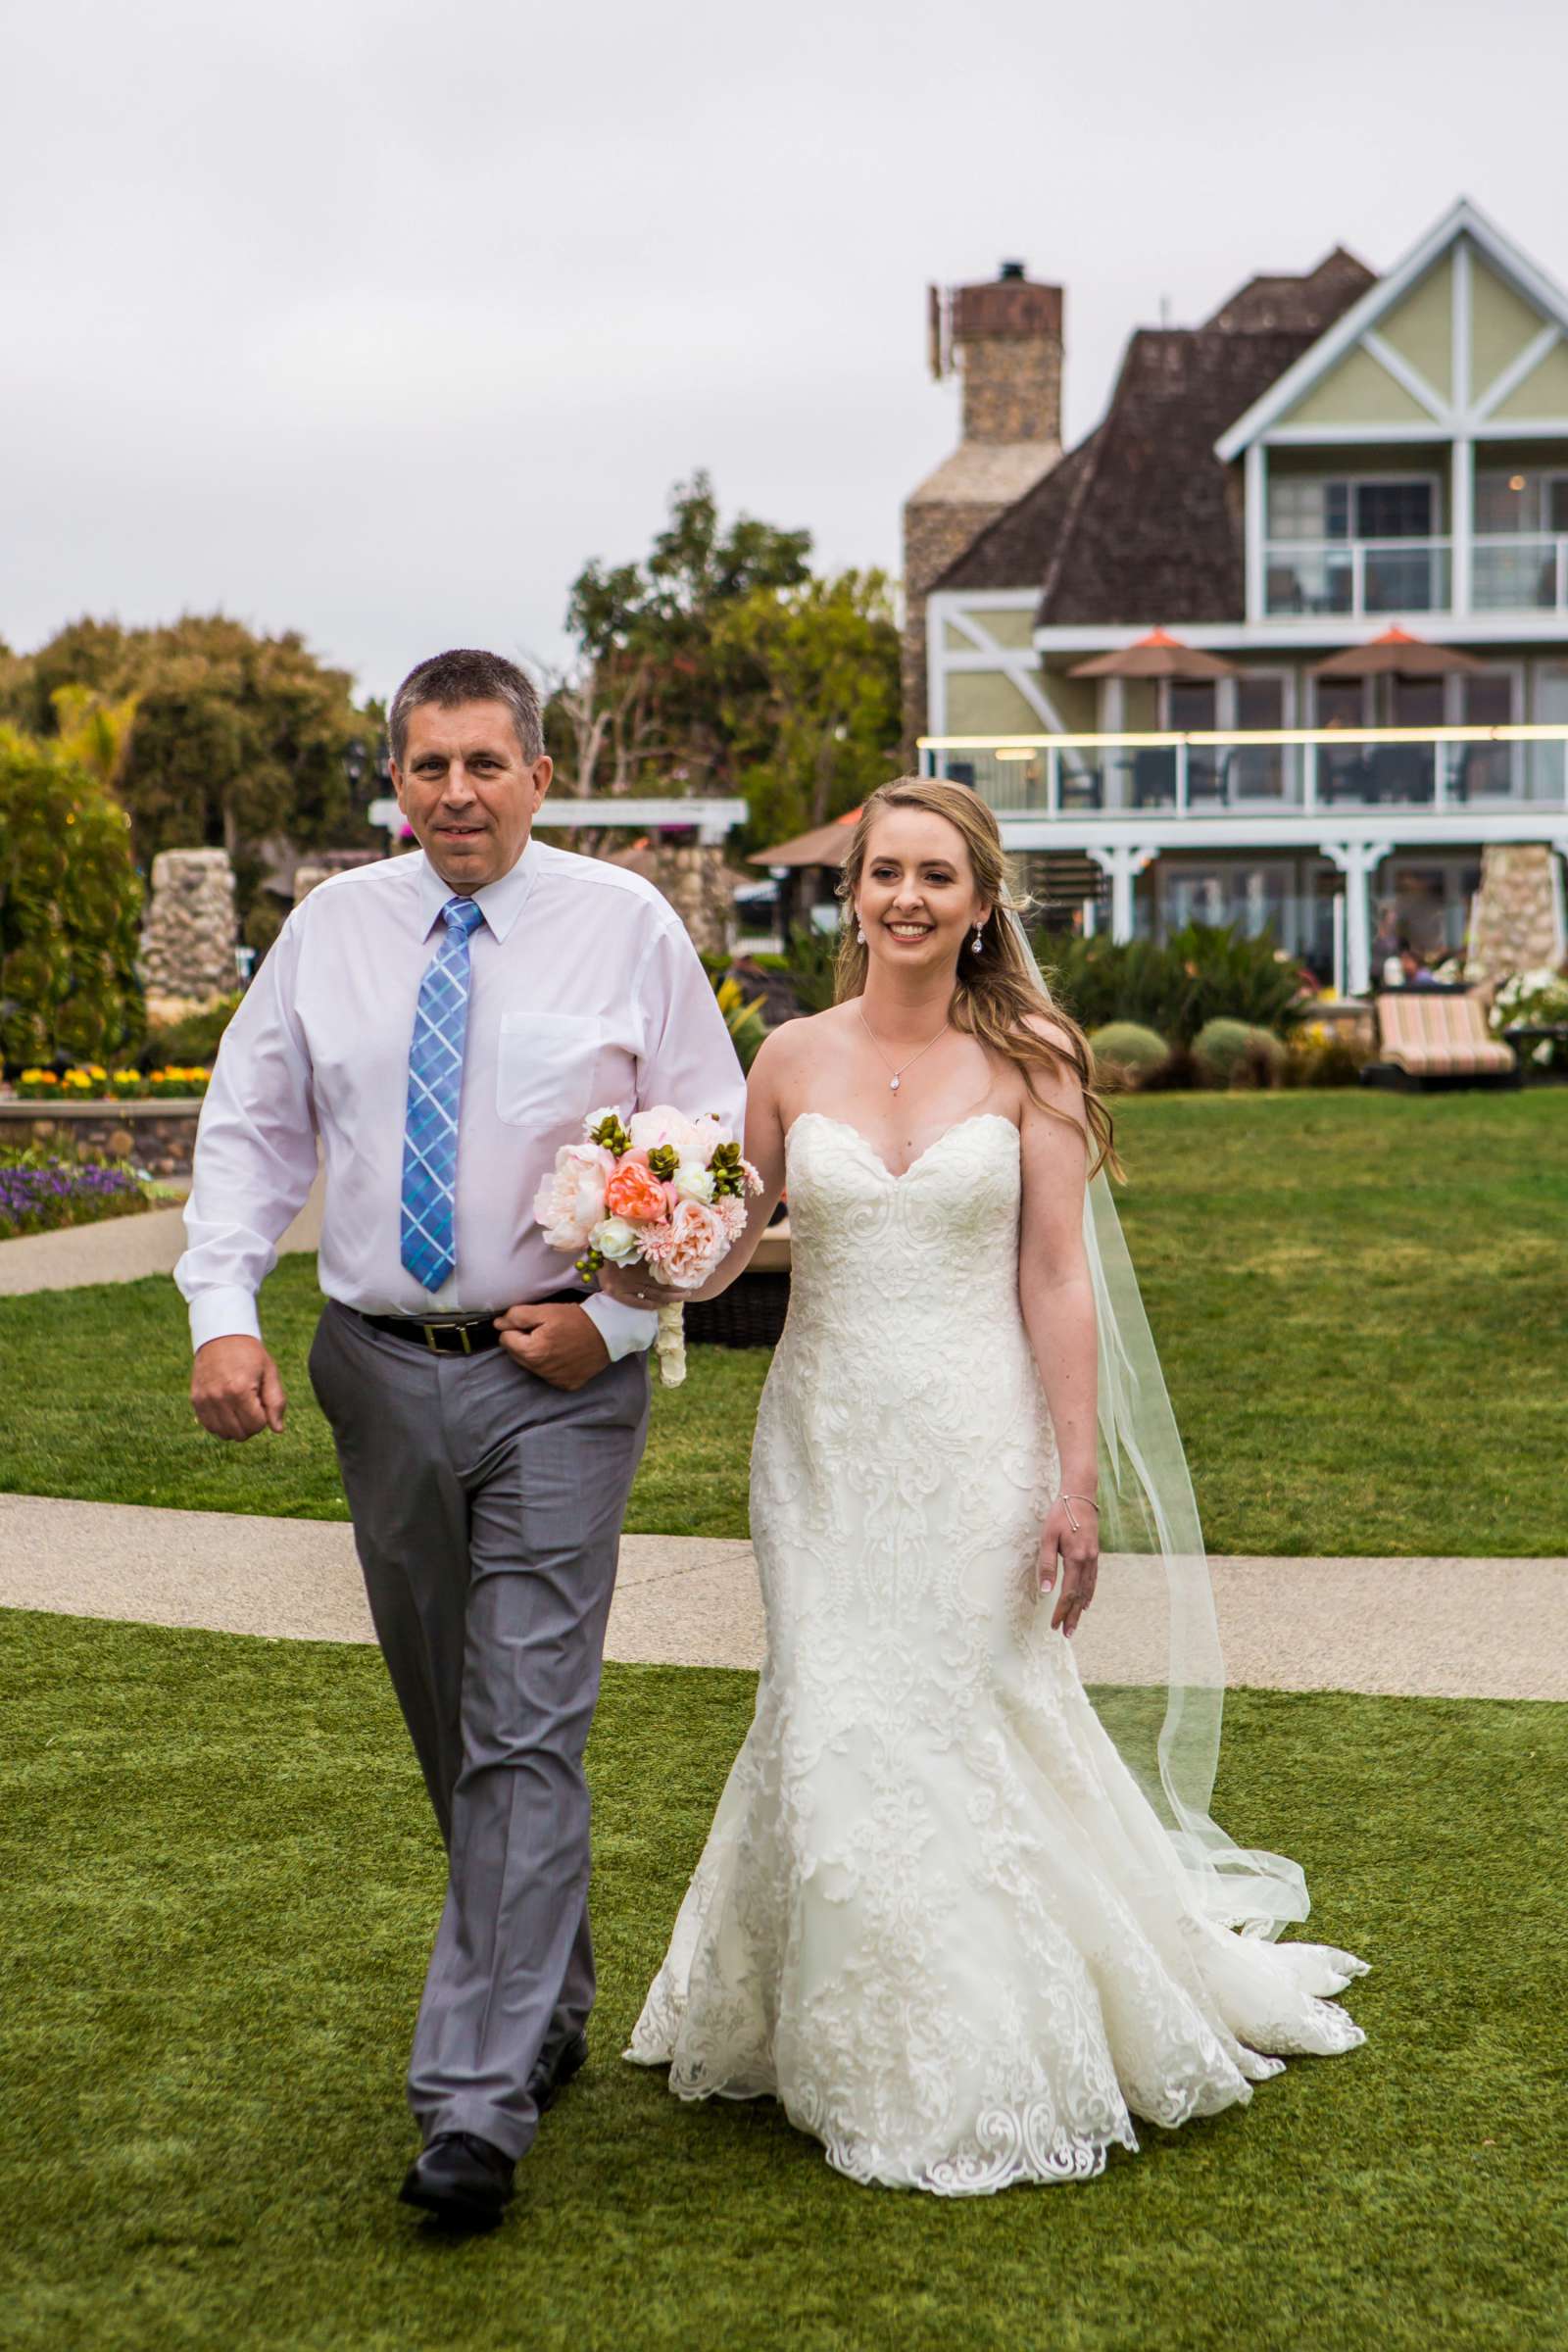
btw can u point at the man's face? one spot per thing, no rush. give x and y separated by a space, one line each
468 791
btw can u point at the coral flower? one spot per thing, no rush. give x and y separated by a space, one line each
635 1193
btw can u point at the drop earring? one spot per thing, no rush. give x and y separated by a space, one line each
859 934
977 942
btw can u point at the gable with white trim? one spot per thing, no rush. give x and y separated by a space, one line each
1467 336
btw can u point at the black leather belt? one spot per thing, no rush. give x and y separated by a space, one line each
454 1335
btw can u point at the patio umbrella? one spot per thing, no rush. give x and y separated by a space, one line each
1397 654
824 845
1157 656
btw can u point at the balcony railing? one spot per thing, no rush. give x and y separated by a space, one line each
1256 774
1357 577
1516 572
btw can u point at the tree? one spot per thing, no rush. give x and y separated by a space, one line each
231 737
645 704
810 698
70 904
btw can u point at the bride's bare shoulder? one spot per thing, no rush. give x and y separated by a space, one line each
797 1045
1059 1083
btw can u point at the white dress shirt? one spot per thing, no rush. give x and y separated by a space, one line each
585 992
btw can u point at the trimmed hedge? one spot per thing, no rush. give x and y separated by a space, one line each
1128 1053
1238 1053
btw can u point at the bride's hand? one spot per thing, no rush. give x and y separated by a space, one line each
633 1286
1077 1552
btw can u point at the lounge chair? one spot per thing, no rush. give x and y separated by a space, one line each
1437 1036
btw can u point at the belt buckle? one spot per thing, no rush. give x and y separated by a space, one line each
465 1345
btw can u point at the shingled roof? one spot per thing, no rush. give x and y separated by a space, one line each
1140 520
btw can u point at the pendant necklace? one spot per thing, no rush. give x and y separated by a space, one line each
897 1074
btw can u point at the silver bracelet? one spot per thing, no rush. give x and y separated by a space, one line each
1070 1499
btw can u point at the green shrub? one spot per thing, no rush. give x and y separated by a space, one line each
1126 1053
69 908
1320 1056
812 962
743 1018
1236 1054
1200 975
265 920
194 1038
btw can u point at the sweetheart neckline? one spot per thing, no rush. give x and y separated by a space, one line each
976 1118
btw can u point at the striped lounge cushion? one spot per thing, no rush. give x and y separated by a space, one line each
1430 1033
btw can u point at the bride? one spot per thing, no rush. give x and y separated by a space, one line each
961 1925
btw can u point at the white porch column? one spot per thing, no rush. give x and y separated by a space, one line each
1358 862
1461 524
1123 863
1254 524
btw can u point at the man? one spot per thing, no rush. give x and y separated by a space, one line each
441 1024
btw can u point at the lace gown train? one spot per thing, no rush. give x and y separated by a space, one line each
935 1915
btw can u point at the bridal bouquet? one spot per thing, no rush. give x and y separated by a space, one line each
660 1190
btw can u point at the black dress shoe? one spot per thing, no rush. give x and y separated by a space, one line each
550 2079
462 2179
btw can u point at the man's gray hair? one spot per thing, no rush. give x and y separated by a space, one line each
467 675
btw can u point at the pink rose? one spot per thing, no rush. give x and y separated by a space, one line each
698 1240
635 1193
571 1201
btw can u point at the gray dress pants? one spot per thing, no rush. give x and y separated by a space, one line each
487 1509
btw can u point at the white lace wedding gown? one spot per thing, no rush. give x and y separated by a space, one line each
935 1915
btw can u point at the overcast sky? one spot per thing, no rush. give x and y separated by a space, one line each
377 321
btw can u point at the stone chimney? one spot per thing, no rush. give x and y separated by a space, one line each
1002 340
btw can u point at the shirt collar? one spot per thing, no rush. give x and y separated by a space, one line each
499 902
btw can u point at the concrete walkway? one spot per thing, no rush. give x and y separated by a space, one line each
1434 1627
121 1249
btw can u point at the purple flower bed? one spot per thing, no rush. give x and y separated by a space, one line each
38 1193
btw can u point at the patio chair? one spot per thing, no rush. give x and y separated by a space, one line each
1436 1037
1081 788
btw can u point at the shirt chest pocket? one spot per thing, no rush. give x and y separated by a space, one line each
547 1064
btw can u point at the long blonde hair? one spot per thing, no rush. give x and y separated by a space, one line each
1000 994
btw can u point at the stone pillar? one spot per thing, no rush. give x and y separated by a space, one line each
188 940
694 879
319 865
1516 918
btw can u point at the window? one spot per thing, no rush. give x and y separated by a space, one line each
1341 702
1191 705
1393 510
1416 702
1301 508
1520 497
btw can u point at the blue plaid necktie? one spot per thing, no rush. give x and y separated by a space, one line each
435 1085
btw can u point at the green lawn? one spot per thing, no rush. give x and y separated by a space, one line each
1360 1300
222 1881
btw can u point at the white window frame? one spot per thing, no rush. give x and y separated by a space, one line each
1357 477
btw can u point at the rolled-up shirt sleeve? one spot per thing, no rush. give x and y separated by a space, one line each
254 1159
687 1059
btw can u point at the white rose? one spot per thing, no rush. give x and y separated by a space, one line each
615 1240
694 1182
650 1129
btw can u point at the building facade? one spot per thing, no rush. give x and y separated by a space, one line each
1325 458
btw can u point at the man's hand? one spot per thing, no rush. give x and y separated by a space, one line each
559 1343
234 1388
